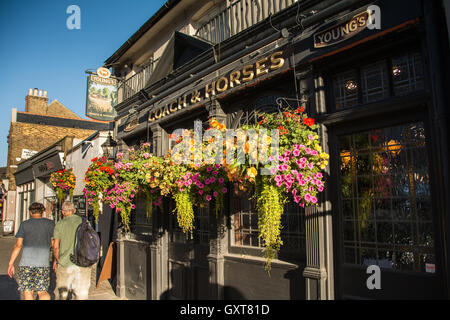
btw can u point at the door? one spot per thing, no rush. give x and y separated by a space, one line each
385 215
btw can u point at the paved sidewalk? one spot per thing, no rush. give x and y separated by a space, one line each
104 290
8 286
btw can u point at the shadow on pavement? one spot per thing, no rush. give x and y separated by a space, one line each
8 288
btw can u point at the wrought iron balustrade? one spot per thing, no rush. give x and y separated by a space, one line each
137 82
238 16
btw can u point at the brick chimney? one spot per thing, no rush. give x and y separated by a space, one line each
36 101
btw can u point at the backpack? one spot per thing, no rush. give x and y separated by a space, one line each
86 246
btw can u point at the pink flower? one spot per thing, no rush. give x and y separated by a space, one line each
209 169
285 167
296 152
313 199
131 196
224 190
217 166
215 194
133 206
310 137
310 165
214 172
308 197
208 197
302 205
320 189
221 180
297 199
200 192
278 178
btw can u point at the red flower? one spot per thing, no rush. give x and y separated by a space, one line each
308 121
95 159
282 130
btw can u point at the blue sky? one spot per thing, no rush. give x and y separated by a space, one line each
37 50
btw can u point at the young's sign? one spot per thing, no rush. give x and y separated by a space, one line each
342 31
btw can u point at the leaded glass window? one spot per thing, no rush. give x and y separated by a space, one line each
407 72
374 82
385 199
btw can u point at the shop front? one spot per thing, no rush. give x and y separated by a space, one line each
375 95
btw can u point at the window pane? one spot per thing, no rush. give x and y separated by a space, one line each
346 89
374 82
407 73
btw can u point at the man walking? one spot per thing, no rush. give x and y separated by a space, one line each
69 277
34 237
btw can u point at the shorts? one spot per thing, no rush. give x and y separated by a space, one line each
73 280
34 278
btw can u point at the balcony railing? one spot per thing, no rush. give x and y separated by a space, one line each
137 82
238 16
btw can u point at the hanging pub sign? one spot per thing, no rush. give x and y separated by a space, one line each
220 85
342 31
101 96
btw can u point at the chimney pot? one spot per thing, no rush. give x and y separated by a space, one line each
35 92
40 93
30 92
45 94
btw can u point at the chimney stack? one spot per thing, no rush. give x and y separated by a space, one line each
36 101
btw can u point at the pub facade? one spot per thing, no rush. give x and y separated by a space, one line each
372 74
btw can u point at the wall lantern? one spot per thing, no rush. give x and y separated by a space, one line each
109 147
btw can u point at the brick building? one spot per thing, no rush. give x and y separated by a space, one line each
41 125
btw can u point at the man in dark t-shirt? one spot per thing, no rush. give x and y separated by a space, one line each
34 237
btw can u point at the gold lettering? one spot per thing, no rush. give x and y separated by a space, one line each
165 111
173 106
182 102
158 113
222 84
276 61
344 30
362 21
353 25
248 73
234 78
151 116
196 97
261 67
210 88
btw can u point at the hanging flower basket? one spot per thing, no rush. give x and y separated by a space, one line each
294 174
63 182
98 178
